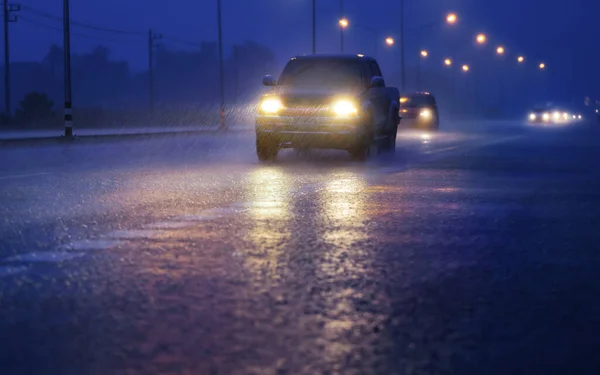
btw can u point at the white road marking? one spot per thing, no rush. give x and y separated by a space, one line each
197 217
169 225
241 204
44 256
441 150
11 270
215 213
92 245
23 175
134 234
224 210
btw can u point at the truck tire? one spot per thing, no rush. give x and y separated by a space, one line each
362 150
435 126
390 141
266 148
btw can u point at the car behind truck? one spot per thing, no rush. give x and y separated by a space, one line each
328 101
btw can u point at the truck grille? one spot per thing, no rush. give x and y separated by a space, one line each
305 111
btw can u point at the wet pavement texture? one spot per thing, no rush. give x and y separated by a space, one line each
469 251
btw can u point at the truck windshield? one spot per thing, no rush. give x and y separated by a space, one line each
338 73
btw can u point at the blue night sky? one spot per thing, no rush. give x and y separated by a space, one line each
563 34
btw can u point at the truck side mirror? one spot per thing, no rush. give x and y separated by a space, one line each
377 81
268 80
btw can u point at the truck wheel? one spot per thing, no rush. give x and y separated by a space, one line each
389 143
391 140
364 146
436 125
360 153
266 148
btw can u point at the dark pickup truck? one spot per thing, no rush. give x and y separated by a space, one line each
328 101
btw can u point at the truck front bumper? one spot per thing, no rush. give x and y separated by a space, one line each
310 131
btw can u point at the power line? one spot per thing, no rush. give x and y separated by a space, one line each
101 28
81 24
60 29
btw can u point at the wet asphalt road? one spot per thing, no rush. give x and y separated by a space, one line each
471 251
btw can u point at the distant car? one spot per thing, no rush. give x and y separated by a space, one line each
419 111
328 101
551 116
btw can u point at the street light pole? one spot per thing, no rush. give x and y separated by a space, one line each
402 44
67 50
221 73
150 70
151 38
422 55
419 75
236 68
314 26
341 27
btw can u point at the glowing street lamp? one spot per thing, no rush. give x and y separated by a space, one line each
344 23
500 50
451 18
481 39
424 53
448 62
520 59
389 41
465 68
542 66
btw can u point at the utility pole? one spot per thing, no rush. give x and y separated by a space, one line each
8 9
341 28
67 50
314 26
221 73
419 75
402 44
236 68
151 45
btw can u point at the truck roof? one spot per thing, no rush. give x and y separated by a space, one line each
334 56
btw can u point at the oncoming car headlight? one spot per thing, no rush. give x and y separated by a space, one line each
426 113
556 115
546 116
532 116
271 106
344 108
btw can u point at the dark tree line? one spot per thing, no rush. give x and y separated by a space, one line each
182 78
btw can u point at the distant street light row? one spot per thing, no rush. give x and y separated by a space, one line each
451 19
482 39
344 23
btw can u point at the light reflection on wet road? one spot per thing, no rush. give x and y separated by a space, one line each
463 253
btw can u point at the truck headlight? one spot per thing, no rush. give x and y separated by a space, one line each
271 106
532 116
426 113
344 108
